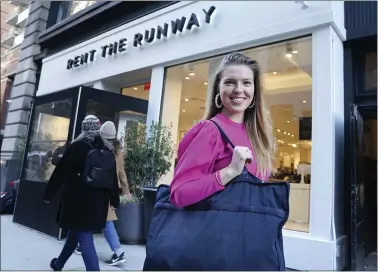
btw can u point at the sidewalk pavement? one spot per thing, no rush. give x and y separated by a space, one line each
26 249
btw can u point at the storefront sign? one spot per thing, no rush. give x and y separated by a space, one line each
139 39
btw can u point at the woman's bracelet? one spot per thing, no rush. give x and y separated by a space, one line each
217 177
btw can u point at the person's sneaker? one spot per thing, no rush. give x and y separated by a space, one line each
77 251
53 265
116 260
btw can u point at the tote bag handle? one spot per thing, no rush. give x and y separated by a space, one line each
223 134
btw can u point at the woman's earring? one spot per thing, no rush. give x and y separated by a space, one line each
218 105
252 104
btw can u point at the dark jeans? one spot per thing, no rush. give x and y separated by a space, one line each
88 251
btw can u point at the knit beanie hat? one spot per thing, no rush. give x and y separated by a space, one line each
108 130
90 127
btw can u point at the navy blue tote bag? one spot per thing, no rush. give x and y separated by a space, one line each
239 228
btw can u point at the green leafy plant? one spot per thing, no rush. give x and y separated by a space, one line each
148 156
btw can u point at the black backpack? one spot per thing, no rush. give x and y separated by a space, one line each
58 154
99 169
7 201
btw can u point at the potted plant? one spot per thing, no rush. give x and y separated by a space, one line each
148 155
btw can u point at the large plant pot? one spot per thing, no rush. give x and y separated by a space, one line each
130 223
149 200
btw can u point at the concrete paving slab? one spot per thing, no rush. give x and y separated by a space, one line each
26 249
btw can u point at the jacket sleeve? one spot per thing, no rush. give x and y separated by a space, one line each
122 174
58 177
194 179
114 192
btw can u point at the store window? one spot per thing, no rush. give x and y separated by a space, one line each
60 10
287 80
370 78
77 6
127 118
49 131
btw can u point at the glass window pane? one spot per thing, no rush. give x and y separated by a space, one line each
49 130
141 91
120 116
80 5
127 118
287 79
370 71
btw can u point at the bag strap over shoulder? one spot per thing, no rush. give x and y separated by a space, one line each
88 143
224 136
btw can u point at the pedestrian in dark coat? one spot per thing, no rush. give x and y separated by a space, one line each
83 209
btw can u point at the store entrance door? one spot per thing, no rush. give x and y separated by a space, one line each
357 191
363 213
108 106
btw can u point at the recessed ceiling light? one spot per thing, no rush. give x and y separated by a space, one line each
278 130
292 135
304 101
205 83
192 74
186 77
288 134
135 88
294 145
288 55
186 99
287 121
285 132
294 51
274 73
183 110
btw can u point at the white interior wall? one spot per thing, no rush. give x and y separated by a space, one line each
170 114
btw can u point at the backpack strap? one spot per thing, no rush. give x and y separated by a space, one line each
88 143
224 136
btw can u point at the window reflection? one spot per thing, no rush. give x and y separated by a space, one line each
121 117
77 6
49 131
128 118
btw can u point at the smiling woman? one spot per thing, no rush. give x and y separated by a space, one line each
286 72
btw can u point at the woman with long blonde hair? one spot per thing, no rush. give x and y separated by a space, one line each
232 218
235 102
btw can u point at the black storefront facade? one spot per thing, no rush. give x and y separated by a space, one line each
360 99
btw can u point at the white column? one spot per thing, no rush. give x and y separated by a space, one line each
323 134
327 111
154 99
171 110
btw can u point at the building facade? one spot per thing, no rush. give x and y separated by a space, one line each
21 56
13 17
162 61
154 61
